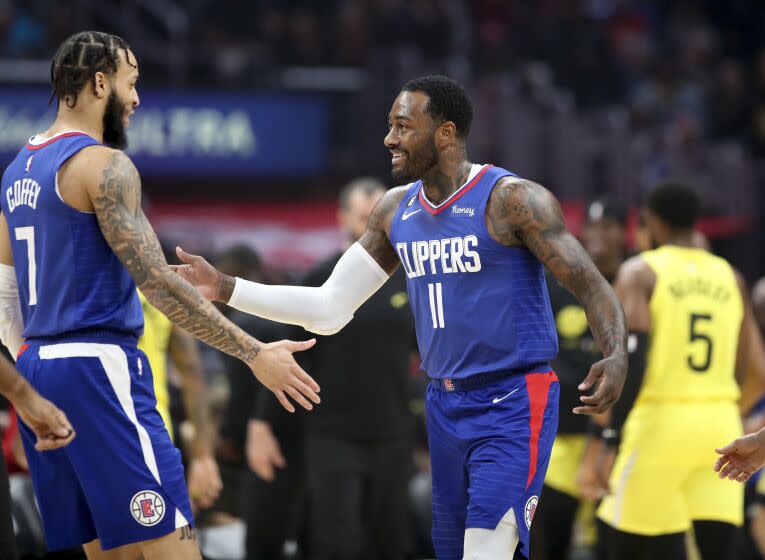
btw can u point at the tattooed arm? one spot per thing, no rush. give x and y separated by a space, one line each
325 309
523 214
375 238
114 189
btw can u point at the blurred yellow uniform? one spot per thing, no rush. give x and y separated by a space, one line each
565 458
154 342
663 479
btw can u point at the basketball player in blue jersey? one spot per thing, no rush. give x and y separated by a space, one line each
473 240
74 240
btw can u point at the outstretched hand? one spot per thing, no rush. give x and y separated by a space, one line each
276 368
741 458
611 373
199 273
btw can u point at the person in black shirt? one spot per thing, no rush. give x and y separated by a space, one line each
359 441
267 508
603 236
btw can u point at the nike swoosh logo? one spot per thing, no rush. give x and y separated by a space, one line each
406 215
500 399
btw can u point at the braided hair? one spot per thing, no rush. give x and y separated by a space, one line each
79 58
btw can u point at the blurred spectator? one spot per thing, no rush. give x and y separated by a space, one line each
758 115
359 442
269 507
729 103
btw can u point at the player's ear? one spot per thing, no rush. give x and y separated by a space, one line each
99 85
446 133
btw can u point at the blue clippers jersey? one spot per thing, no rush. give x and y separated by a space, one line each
69 279
479 306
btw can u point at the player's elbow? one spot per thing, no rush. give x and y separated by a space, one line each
328 326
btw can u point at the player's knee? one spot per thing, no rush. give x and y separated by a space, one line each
493 544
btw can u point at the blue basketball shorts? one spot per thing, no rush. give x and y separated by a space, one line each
489 448
121 479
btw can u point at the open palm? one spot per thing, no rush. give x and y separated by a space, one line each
741 458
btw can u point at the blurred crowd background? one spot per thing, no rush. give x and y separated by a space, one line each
256 113
586 97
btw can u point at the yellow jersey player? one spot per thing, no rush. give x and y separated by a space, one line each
684 309
160 340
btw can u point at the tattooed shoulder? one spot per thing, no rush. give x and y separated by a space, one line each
517 207
116 201
382 215
375 239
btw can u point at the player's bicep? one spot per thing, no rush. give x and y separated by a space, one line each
524 211
116 198
6 254
375 238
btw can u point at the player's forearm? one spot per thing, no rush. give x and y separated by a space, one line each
186 358
295 305
198 412
606 319
11 323
323 310
12 385
180 302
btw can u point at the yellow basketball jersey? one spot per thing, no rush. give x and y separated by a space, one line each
696 313
154 342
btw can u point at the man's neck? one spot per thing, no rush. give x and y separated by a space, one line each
67 121
681 239
445 179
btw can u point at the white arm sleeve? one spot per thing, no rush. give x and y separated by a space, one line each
11 322
324 310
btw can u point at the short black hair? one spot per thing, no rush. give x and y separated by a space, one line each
367 185
676 204
448 101
79 58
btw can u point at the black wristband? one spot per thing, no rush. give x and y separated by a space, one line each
594 431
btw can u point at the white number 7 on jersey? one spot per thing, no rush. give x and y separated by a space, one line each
27 234
436 305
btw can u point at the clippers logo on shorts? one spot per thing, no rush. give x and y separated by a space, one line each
448 385
530 510
148 508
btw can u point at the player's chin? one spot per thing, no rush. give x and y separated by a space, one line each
399 172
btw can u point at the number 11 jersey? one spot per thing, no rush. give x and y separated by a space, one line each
479 307
69 279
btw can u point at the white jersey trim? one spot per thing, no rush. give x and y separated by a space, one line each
180 519
38 139
474 170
